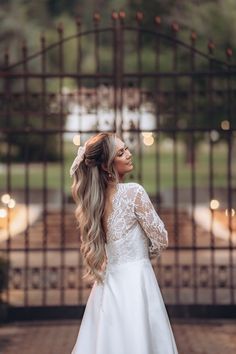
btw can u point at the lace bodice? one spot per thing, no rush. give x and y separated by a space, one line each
134 229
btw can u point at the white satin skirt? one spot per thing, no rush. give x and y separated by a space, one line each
126 315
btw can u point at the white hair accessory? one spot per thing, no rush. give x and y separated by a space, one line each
77 160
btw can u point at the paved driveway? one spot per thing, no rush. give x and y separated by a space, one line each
58 337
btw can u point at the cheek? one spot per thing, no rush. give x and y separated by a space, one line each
118 164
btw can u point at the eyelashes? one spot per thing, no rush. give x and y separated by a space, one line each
126 148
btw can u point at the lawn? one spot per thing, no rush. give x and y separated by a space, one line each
57 176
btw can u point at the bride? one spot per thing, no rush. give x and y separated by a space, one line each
120 230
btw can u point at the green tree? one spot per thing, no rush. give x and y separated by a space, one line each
211 19
19 106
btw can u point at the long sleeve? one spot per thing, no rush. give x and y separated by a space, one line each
151 223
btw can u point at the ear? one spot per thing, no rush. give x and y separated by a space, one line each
104 167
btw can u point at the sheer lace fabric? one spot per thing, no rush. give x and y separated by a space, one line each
134 229
125 314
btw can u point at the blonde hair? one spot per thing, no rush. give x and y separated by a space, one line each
88 190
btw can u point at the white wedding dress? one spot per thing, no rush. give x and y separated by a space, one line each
126 314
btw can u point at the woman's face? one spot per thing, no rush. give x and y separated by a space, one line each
122 161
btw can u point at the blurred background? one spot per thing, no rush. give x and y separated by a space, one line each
162 75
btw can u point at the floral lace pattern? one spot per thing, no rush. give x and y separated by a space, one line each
151 223
134 229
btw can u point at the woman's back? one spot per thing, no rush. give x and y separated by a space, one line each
133 226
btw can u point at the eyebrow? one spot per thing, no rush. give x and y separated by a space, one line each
121 148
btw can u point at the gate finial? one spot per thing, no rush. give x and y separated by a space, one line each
114 15
122 15
211 46
96 17
193 36
157 20
175 26
139 16
60 27
229 52
42 38
78 21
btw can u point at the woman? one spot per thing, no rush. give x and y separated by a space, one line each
120 230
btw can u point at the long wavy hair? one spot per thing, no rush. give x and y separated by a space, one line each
90 182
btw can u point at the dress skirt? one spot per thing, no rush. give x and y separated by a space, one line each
126 314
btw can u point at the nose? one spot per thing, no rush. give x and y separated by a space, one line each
128 154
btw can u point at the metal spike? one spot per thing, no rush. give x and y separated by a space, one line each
114 15
139 16
157 20
211 46
60 27
96 17
193 36
122 15
229 52
24 46
42 38
175 26
78 21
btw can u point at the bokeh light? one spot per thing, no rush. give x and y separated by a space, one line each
225 125
11 204
214 204
148 141
3 213
5 198
76 140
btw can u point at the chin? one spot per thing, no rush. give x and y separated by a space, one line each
131 168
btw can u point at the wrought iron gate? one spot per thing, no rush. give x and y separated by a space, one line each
175 107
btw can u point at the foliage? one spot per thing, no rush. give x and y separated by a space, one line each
23 20
211 20
215 20
18 102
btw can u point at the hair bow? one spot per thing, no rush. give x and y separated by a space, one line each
77 160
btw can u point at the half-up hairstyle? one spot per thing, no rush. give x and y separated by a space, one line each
88 190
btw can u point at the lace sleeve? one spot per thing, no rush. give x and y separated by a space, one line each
150 222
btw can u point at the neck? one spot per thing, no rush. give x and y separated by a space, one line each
121 178
112 184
